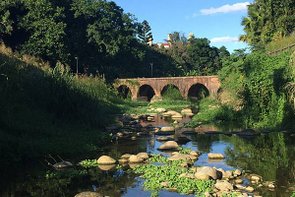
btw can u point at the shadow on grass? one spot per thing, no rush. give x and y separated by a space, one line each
44 110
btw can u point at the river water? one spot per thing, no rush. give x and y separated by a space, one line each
271 155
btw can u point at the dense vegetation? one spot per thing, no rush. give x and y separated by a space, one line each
42 109
194 56
268 20
97 37
256 85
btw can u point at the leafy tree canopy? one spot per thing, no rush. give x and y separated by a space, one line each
268 20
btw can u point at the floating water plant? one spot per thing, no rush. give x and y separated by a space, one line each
168 177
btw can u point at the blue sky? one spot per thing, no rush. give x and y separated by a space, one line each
217 20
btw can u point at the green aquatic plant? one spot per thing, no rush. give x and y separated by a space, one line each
184 150
88 163
168 176
158 159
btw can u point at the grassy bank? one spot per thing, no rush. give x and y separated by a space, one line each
210 110
47 110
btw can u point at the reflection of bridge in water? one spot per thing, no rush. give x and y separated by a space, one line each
149 87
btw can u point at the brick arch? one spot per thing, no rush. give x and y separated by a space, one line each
147 91
195 90
167 85
124 90
133 89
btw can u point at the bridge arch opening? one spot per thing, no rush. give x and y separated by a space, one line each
124 92
198 91
146 93
172 92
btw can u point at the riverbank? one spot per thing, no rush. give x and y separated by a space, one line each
46 110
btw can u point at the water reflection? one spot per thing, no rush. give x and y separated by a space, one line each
272 156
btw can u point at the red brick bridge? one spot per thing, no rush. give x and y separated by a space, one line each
147 88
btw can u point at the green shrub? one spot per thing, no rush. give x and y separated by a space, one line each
258 80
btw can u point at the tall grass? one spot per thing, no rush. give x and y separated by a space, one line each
211 111
48 110
281 43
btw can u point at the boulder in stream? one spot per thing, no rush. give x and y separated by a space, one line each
105 160
215 156
143 155
170 145
223 185
135 159
167 129
206 170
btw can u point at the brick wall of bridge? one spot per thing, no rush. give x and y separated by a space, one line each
182 83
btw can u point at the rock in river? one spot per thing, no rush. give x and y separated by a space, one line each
165 138
177 157
223 186
104 160
170 145
135 159
215 156
126 156
143 155
167 129
206 170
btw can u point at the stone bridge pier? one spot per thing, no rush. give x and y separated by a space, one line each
150 87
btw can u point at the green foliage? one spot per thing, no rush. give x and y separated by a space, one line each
88 163
194 56
281 43
41 107
171 93
6 24
258 81
154 175
211 111
45 23
202 57
144 32
158 159
268 21
184 150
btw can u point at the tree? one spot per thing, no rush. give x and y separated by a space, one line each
46 30
268 20
223 52
144 32
5 18
202 57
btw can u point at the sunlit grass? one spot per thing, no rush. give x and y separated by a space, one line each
281 43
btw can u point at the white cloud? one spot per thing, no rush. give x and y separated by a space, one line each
226 8
224 39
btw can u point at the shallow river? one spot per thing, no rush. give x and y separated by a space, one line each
270 155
